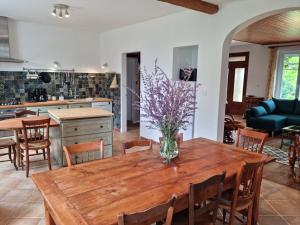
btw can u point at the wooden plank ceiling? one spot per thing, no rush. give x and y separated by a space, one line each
197 5
277 29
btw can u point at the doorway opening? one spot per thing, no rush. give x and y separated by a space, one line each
237 82
133 61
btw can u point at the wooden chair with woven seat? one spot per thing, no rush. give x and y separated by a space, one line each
251 140
136 146
82 152
36 137
150 216
294 159
242 198
10 144
203 208
27 113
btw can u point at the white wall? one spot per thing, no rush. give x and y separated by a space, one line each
158 37
41 45
258 70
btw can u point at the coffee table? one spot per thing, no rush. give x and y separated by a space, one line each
289 133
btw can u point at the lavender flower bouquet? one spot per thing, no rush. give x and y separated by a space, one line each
168 106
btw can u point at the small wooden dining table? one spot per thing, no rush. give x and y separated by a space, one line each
94 193
15 124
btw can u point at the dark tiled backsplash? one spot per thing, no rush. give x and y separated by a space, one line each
14 86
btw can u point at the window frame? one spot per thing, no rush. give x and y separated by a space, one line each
279 71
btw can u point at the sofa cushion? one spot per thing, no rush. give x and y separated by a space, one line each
297 107
292 119
271 122
269 105
284 106
258 111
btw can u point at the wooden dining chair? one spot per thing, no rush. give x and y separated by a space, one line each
10 145
203 207
83 152
294 159
251 140
27 113
136 146
36 137
150 216
241 199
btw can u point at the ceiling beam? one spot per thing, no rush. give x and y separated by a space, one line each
197 5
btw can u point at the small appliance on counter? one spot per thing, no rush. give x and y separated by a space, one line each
37 95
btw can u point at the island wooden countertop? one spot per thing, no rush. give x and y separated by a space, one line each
57 102
78 113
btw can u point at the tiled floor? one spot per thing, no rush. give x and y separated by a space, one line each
21 204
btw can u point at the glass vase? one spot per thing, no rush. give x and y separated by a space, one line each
168 148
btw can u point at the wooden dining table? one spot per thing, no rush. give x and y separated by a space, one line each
15 124
95 193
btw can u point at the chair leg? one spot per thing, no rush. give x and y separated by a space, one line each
9 154
44 153
249 216
21 153
231 217
15 156
27 163
224 216
49 158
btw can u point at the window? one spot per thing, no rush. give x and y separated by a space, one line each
288 75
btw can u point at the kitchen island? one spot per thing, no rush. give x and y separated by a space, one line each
77 125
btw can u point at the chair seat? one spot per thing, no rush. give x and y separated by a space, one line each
182 218
225 202
36 145
137 149
6 142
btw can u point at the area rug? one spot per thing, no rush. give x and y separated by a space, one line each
280 155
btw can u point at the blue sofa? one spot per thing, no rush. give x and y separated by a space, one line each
274 114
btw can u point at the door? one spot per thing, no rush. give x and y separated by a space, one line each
237 82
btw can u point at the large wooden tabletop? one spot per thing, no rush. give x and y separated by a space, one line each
16 123
95 193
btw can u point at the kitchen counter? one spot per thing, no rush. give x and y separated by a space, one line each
77 125
57 102
79 113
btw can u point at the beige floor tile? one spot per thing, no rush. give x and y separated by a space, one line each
23 221
265 209
31 210
286 207
17 195
9 209
35 197
271 220
292 220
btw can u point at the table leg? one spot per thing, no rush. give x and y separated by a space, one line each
17 148
48 218
255 210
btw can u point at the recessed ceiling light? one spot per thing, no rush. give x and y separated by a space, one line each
53 12
67 14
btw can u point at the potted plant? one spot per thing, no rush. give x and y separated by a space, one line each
168 106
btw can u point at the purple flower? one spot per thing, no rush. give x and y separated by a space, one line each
165 104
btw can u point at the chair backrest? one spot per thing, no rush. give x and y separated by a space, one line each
150 216
251 140
128 146
248 181
25 113
179 139
198 194
36 131
83 152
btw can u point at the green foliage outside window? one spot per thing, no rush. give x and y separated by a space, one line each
289 77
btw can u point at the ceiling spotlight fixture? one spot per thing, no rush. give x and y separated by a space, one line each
61 10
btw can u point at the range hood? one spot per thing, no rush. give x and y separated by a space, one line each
4 43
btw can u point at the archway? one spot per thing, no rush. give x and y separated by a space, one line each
225 59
